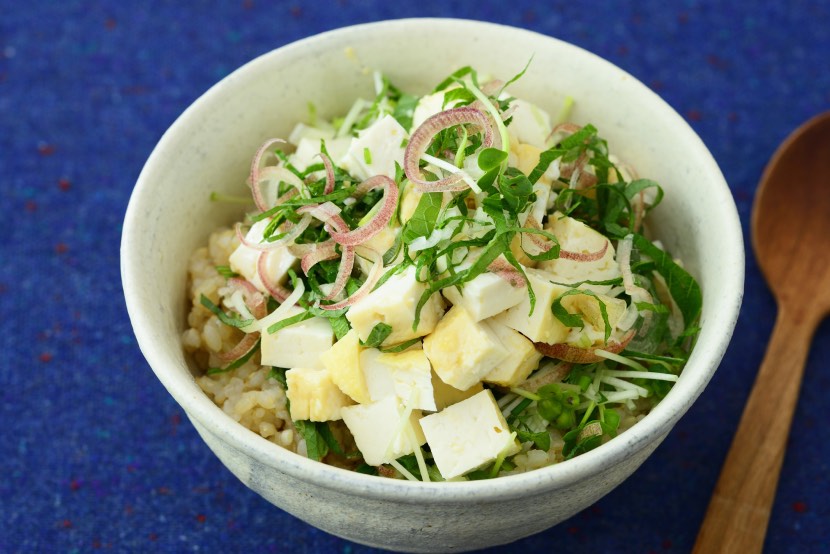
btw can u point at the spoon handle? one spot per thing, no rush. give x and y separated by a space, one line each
739 510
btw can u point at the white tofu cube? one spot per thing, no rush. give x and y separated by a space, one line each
308 149
394 303
462 351
406 375
298 345
343 362
427 106
244 260
575 236
302 131
521 362
376 150
380 432
529 124
313 396
485 296
468 435
541 325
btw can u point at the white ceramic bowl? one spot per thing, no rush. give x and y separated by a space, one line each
209 148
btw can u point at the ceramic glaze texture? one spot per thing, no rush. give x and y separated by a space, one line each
209 149
449 523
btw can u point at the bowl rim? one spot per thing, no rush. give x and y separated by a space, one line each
704 360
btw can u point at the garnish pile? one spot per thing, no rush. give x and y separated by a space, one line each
462 284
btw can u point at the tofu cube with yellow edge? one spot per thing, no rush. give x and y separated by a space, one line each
461 350
244 259
406 375
485 295
527 157
298 345
384 240
575 236
394 303
447 395
541 325
343 362
408 203
382 430
313 396
519 244
523 359
468 435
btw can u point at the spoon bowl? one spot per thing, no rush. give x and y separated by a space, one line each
791 219
790 233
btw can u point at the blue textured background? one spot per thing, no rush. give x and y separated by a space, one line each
94 453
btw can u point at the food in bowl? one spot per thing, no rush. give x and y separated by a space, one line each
446 287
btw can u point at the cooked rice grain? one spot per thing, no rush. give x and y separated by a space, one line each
247 394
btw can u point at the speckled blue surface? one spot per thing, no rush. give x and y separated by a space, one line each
95 455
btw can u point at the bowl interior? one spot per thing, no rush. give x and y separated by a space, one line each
210 146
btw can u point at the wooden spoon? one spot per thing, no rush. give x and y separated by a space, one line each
791 239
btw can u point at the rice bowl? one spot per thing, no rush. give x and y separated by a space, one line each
212 142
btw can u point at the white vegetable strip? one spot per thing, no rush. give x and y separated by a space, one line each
450 168
405 472
437 235
510 407
351 117
506 399
419 455
624 385
237 302
621 396
637 293
641 375
619 359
